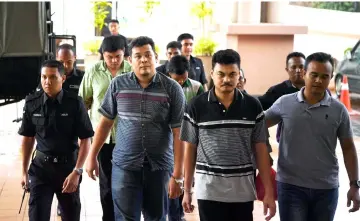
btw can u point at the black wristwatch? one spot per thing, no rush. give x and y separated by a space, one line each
355 183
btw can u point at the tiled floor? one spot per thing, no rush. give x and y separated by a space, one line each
11 192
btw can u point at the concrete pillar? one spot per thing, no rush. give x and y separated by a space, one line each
277 11
234 15
249 12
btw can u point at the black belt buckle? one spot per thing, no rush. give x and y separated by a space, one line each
53 159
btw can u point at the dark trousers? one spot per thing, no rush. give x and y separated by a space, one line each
140 191
105 167
303 204
45 180
215 211
176 211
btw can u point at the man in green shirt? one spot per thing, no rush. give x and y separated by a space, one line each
178 68
92 89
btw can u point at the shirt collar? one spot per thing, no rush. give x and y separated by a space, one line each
155 79
58 97
187 83
103 66
212 98
289 84
324 102
73 73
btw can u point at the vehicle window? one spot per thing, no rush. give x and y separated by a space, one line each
357 53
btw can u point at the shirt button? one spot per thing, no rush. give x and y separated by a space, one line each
224 111
142 101
219 103
142 125
143 136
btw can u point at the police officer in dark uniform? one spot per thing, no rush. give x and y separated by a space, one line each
73 76
56 119
66 55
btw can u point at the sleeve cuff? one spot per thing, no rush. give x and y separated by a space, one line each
105 114
176 125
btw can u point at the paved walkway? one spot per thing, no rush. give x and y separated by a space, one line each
11 192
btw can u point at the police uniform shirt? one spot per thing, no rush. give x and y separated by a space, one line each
57 123
71 83
197 71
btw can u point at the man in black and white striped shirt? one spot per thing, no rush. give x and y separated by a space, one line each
224 132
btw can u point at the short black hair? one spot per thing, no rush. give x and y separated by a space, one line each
173 44
113 43
178 65
294 54
227 56
66 47
141 41
320 57
114 21
185 36
54 64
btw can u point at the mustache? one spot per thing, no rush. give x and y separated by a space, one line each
227 84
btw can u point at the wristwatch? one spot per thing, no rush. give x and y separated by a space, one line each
178 181
355 183
79 171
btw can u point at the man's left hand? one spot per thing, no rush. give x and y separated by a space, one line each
269 206
71 183
353 195
174 189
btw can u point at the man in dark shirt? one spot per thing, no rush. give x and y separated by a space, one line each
56 119
73 76
114 30
197 71
173 48
295 63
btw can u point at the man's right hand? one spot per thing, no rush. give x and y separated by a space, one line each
25 181
186 203
91 167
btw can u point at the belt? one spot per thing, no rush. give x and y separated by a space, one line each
55 159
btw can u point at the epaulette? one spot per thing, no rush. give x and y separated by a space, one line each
34 96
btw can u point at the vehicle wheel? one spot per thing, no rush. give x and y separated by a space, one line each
338 82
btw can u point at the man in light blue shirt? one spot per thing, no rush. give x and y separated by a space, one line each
307 178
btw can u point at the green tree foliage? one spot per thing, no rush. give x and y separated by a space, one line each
202 10
100 10
149 6
339 6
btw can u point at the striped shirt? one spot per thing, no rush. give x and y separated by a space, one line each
145 119
225 160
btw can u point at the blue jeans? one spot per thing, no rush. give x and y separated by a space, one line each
304 204
143 191
176 211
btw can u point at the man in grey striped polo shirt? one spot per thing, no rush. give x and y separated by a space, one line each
307 177
149 107
222 129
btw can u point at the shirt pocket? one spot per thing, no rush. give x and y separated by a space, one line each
39 123
65 124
